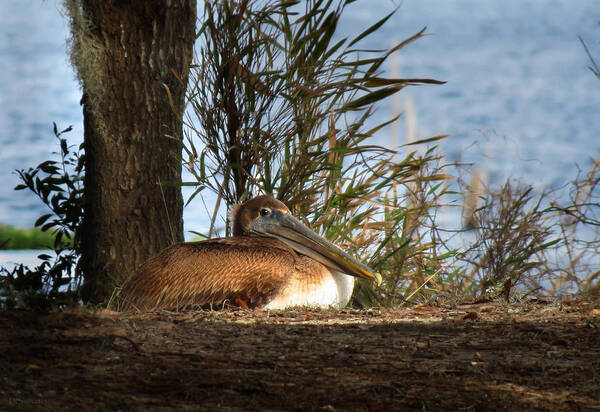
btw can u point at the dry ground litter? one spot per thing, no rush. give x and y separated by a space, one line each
534 355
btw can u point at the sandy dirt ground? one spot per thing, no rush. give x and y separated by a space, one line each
534 355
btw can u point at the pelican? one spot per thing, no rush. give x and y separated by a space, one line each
272 261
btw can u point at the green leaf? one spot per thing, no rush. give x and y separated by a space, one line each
428 140
48 226
372 28
330 26
371 98
63 147
193 195
378 82
375 66
40 221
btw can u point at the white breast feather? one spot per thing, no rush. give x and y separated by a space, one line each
335 290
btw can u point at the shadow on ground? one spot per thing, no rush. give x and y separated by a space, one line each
530 356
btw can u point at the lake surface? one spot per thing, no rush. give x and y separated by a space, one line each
520 100
12 258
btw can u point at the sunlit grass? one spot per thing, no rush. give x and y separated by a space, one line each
15 238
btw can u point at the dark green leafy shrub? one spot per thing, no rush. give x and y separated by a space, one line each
59 185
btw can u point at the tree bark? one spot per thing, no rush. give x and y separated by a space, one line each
125 53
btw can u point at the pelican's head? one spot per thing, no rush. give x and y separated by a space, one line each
265 216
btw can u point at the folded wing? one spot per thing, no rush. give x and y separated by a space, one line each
210 273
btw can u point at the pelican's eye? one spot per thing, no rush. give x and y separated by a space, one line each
265 211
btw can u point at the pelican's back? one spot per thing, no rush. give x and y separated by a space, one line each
210 272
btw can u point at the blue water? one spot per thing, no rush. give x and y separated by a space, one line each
12 258
37 87
519 92
520 101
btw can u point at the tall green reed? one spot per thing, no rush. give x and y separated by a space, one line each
280 105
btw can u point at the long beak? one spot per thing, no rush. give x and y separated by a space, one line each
291 231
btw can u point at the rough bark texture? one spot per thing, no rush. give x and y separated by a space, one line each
125 53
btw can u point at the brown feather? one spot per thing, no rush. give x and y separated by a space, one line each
217 271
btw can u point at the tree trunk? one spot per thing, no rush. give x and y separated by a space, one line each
125 53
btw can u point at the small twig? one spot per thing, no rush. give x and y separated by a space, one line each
113 296
166 210
424 283
213 218
595 69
